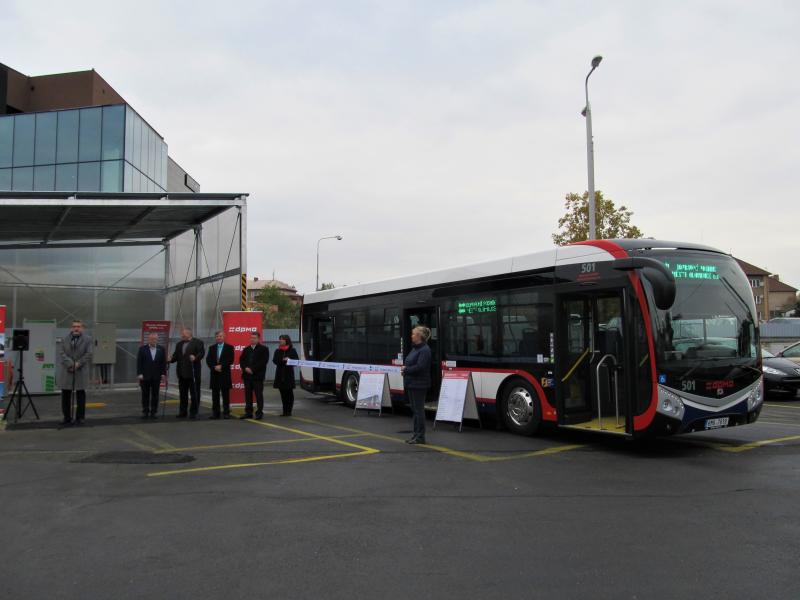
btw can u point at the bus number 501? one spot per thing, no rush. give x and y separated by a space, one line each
588 267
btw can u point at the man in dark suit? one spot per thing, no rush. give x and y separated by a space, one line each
151 368
219 360
188 354
253 362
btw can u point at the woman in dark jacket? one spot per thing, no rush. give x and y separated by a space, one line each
284 374
417 380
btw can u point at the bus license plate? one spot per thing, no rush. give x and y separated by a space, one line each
717 423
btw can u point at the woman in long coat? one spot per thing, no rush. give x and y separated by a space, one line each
284 374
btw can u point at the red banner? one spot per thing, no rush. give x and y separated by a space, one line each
161 329
238 325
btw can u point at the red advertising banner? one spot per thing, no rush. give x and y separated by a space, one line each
238 325
160 328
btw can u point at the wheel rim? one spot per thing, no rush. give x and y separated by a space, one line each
351 388
520 406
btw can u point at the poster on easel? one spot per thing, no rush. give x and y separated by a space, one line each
373 392
457 399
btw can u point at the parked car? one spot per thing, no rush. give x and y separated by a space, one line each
781 375
791 352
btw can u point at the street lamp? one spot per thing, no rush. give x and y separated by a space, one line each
329 237
587 112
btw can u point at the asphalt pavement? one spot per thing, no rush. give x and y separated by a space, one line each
326 504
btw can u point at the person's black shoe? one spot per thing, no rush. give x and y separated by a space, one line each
259 416
416 441
181 416
411 439
66 421
286 415
214 418
245 417
78 422
153 416
226 416
145 416
193 416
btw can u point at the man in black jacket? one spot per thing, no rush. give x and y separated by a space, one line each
219 360
253 363
151 368
188 353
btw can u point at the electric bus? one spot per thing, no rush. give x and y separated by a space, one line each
626 337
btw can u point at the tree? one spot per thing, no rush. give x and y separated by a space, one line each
612 222
327 286
279 310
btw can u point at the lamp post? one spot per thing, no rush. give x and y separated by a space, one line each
587 112
329 237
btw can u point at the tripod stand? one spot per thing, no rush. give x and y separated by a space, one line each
16 395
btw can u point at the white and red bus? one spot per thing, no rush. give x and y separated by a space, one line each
629 337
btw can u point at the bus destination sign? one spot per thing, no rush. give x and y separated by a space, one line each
486 305
693 271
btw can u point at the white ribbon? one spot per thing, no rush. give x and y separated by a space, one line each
316 364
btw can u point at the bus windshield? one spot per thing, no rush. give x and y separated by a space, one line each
710 328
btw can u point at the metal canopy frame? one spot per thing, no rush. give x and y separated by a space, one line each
46 220
80 220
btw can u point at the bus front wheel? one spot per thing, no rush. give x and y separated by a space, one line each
520 407
350 389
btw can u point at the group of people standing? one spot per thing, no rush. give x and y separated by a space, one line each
151 368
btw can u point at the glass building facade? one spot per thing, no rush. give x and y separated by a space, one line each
97 149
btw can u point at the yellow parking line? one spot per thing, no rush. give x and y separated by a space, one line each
361 451
777 423
159 444
95 405
758 444
261 464
450 451
246 444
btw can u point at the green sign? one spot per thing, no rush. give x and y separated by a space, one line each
487 305
693 271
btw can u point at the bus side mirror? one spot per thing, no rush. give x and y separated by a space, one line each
656 273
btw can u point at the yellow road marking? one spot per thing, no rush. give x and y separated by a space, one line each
158 444
140 445
246 444
360 451
758 444
261 464
450 451
776 423
95 405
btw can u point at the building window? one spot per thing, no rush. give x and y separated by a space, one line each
755 283
759 299
24 127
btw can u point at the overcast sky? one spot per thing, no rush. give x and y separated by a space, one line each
432 133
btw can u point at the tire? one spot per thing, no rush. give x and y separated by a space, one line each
520 407
350 389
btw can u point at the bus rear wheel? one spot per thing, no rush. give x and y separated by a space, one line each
350 389
522 413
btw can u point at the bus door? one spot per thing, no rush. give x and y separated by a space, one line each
324 379
590 359
429 317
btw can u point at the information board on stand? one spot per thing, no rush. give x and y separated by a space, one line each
457 399
373 392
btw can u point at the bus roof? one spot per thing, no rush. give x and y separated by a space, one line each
598 250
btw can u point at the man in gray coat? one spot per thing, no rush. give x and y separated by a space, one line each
75 356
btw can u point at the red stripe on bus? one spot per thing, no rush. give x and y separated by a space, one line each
613 249
639 421
548 412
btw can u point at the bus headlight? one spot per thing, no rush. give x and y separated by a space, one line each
670 404
756 395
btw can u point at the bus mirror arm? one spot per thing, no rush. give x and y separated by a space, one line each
659 276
